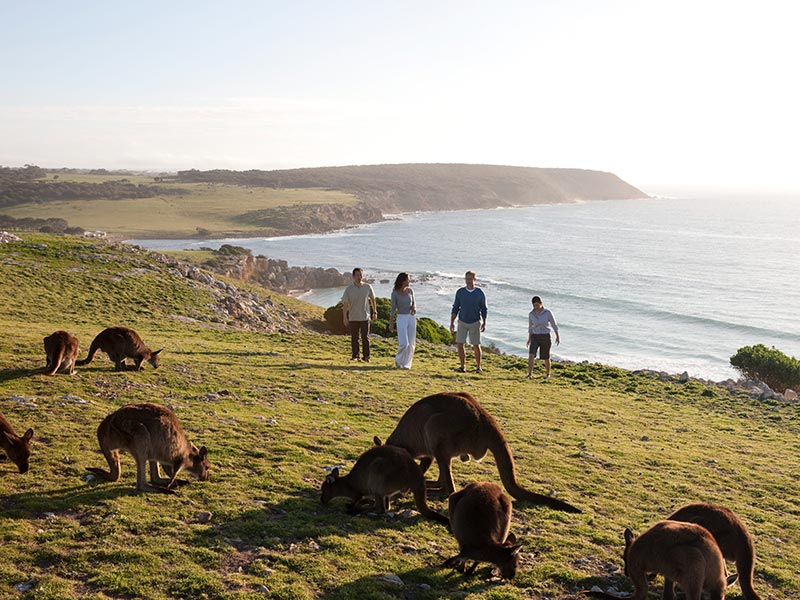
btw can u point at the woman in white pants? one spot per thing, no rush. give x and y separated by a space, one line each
405 308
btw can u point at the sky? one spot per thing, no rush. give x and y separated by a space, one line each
701 93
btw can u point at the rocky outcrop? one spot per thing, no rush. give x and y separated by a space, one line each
239 263
312 218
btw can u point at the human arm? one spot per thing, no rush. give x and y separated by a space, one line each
372 304
392 310
554 325
454 312
484 311
413 302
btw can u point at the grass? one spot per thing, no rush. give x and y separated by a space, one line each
210 207
275 409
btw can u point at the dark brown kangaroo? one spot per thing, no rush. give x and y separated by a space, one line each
682 552
152 434
480 517
379 473
443 426
732 537
16 448
121 343
61 349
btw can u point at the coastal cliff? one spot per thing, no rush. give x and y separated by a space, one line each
429 187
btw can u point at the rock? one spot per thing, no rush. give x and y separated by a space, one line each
24 587
684 377
390 578
790 394
203 516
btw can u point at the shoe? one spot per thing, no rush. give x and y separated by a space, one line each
479 370
527 376
461 370
366 359
354 358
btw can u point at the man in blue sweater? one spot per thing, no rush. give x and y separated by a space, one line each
470 308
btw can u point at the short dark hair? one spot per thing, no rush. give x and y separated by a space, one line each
536 299
358 269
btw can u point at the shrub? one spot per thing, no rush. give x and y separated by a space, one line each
427 329
769 365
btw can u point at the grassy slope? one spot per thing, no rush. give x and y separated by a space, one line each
209 206
274 409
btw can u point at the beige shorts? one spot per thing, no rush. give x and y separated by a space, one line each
474 331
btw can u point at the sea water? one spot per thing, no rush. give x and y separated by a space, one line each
666 284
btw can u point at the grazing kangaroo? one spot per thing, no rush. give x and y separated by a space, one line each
732 537
379 473
443 426
121 343
151 433
61 349
682 552
16 448
480 517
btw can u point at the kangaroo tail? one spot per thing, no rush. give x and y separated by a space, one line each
92 351
56 363
508 475
744 567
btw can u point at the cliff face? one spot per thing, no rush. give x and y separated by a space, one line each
411 187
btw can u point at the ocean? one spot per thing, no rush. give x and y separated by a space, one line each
669 284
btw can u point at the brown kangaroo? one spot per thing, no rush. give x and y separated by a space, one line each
682 552
443 426
61 349
16 448
732 537
121 343
151 433
378 474
480 517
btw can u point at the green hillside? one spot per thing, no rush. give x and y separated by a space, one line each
276 402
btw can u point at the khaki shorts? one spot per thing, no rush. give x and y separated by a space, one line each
474 331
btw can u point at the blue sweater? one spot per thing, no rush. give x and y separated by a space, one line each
470 306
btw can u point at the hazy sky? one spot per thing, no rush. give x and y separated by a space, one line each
675 92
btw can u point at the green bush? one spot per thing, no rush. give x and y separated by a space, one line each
769 365
427 329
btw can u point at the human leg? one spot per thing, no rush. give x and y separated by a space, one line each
355 328
365 340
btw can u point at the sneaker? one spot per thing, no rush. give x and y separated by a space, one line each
479 370
366 359
461 370
527 376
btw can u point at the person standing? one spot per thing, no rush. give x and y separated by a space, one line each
357 300
405 307
470 309
540 322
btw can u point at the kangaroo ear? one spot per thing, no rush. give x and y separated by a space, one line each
203 452
511 539
515 549
628 535
156 352
335 473
377 441
28 435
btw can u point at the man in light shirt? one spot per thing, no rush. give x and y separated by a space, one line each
357 300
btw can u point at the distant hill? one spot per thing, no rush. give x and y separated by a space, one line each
410 187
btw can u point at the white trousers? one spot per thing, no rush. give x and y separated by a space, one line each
406 340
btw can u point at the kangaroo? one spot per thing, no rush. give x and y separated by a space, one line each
732 537
61 349
121 343
379 473
682 552
151 433
16 448
450 424
480 517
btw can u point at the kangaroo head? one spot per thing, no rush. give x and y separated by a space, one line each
153 358
629 538
328 486
510 563
18 449
200 465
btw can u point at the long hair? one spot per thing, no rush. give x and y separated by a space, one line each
401 278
